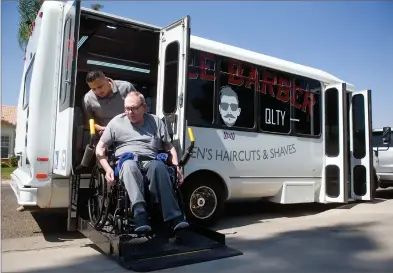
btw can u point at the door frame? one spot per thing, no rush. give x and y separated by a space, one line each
175 119
336 144
363 111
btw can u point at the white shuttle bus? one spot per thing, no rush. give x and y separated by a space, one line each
264 127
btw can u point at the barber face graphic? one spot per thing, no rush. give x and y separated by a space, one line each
229 106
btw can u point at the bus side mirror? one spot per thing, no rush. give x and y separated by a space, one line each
387 136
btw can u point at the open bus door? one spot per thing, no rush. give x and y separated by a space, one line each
172 78
65 111
163 250
362 180
65 107
335 173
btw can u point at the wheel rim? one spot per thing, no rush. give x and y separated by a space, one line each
203 202
97 198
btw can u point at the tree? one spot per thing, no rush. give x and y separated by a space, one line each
28 10
96 6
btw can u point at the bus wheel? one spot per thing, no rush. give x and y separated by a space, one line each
204 200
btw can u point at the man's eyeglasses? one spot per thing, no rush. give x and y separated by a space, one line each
133 109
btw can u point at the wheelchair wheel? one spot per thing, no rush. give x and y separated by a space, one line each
98 212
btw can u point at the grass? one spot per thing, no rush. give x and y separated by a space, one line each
6 172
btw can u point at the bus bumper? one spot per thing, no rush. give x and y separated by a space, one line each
26 196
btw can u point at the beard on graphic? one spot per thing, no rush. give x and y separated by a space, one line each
229 106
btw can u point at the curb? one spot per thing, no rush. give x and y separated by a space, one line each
39 243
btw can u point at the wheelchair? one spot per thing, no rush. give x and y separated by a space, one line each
109 207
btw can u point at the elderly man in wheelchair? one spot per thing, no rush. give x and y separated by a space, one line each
137 137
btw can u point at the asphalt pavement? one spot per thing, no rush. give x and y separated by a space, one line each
16 224
350 238
52 225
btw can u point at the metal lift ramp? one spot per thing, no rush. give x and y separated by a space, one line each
190 246
159 251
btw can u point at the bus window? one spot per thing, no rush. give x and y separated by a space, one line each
200 89
358 127
65 86
29 72
171 77
306 99
236 97
332 145
274 100
377 139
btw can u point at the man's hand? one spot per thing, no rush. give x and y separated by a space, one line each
175 161
100 152
110 176
99 127
180 176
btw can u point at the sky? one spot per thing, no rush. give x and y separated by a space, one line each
351 40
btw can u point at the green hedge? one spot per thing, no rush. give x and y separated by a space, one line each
13 161
10 163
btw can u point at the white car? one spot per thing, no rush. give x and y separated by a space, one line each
384 154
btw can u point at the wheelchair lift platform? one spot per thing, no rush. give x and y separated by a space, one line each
159 251
189 246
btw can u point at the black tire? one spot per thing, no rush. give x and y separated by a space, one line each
376 183
98 213
201 191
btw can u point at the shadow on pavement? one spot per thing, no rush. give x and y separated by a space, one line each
53 226
339 248
385 193
240 214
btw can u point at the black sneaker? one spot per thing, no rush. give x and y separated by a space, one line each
179 223
142 222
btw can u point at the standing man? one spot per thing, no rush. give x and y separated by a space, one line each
105 99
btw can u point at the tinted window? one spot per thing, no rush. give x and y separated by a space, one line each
201 88
28 75
358 126
306 99
331 127
274 101
68 46
377 139
170 77
236 97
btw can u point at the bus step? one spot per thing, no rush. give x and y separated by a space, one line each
190 246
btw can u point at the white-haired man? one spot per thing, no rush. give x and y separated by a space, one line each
143 135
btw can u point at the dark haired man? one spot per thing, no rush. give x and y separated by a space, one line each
105 99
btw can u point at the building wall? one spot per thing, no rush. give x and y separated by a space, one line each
8 130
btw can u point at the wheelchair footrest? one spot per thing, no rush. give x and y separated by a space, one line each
189 246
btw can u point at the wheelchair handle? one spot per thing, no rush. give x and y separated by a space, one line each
92 128
186 156
89 150
92 132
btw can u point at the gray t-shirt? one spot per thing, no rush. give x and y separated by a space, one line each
104 109
144 140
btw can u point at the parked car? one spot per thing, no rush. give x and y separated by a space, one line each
381 141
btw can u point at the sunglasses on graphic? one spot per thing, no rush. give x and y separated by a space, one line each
224 106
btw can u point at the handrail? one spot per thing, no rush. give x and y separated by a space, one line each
186 156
